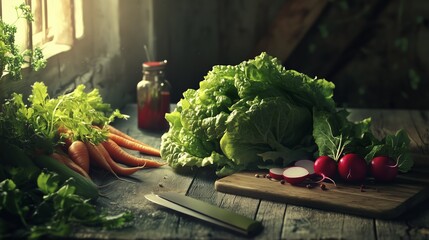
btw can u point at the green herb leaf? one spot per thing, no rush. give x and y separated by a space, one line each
51 209
11 59
48 182
36 126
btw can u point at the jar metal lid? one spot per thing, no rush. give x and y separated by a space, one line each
154 65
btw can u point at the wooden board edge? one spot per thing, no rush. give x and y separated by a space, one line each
387 213
410 203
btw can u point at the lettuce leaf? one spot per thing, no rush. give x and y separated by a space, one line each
252 115
257 115
254 129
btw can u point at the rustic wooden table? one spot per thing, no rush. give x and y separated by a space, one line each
280 220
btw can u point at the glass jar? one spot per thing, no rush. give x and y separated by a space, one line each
153 97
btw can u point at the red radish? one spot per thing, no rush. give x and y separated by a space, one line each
326 167
295 175
352 167
384 169
307 164
276 173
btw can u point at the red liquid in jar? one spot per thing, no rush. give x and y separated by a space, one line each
152 116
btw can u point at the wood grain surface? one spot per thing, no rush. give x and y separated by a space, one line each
371 200
280 220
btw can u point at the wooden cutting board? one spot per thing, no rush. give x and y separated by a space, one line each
385 201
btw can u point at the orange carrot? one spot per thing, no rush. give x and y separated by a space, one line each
63 130
123 142
115 166
66 135
97 157
117 153
69 163
124 135
78 152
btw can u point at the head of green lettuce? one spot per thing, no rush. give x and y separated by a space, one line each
253 115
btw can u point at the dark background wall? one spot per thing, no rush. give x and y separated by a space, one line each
374 51
194 35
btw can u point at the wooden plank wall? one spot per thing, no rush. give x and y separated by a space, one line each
291 24
374 51
194 35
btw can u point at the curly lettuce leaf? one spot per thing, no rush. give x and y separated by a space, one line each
258 114
254 129
212 125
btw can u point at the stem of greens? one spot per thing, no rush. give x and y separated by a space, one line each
51 126
340 148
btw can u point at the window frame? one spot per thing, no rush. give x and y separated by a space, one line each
55 36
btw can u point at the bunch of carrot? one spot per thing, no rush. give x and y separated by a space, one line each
109 155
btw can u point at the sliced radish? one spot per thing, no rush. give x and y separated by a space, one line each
307 164
276 173
295 175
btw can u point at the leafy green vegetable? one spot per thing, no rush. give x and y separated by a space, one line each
35 203
11 59
257 114
396 146
255 131
36 126
335 136
47 207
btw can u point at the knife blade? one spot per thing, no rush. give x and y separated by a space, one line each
207 212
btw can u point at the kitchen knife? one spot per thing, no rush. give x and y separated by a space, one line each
207 212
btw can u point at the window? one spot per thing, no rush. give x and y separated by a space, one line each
57 23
